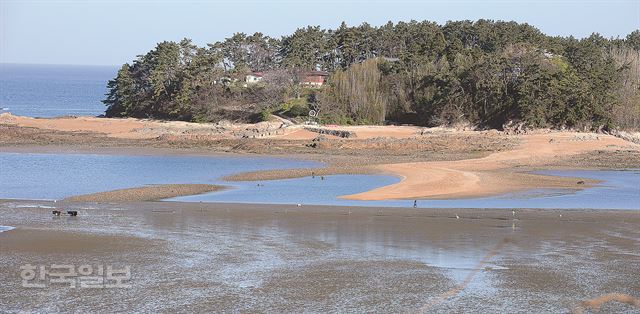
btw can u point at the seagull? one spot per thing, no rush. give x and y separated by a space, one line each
457 217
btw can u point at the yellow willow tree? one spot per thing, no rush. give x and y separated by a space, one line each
627 112
356 94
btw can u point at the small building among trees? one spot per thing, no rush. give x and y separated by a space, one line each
253 78
314 78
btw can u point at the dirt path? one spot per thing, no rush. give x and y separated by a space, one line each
494 174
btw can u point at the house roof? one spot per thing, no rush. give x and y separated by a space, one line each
317 73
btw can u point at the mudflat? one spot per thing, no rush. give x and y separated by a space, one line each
282 258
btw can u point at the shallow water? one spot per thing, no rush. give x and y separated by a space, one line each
56 176
619 190
6 228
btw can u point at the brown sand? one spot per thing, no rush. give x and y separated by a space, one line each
493 174
47 241
131 128
112 127
146 193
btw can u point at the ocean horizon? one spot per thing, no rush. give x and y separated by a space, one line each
51 90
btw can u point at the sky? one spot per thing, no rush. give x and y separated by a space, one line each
103 32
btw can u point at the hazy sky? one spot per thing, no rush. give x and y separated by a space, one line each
113 32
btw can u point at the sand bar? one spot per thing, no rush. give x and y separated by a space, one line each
493 174
146 193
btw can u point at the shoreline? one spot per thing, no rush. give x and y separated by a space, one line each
198 152
521 213
46 205
433 163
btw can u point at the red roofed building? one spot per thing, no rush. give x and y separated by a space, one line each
314 78
254 77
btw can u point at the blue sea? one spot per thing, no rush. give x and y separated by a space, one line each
54 90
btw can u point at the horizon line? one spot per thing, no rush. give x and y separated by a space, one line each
58 64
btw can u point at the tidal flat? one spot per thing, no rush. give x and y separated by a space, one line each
285 258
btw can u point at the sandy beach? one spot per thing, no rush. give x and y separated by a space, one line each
282 258
434 163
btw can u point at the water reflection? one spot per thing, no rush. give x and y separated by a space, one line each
55 176
619 190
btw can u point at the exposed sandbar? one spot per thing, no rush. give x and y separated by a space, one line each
494 174
146 193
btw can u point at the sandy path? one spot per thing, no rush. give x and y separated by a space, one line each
494 174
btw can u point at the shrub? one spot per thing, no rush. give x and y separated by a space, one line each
265 114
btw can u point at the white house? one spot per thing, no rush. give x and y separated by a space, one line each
253 78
